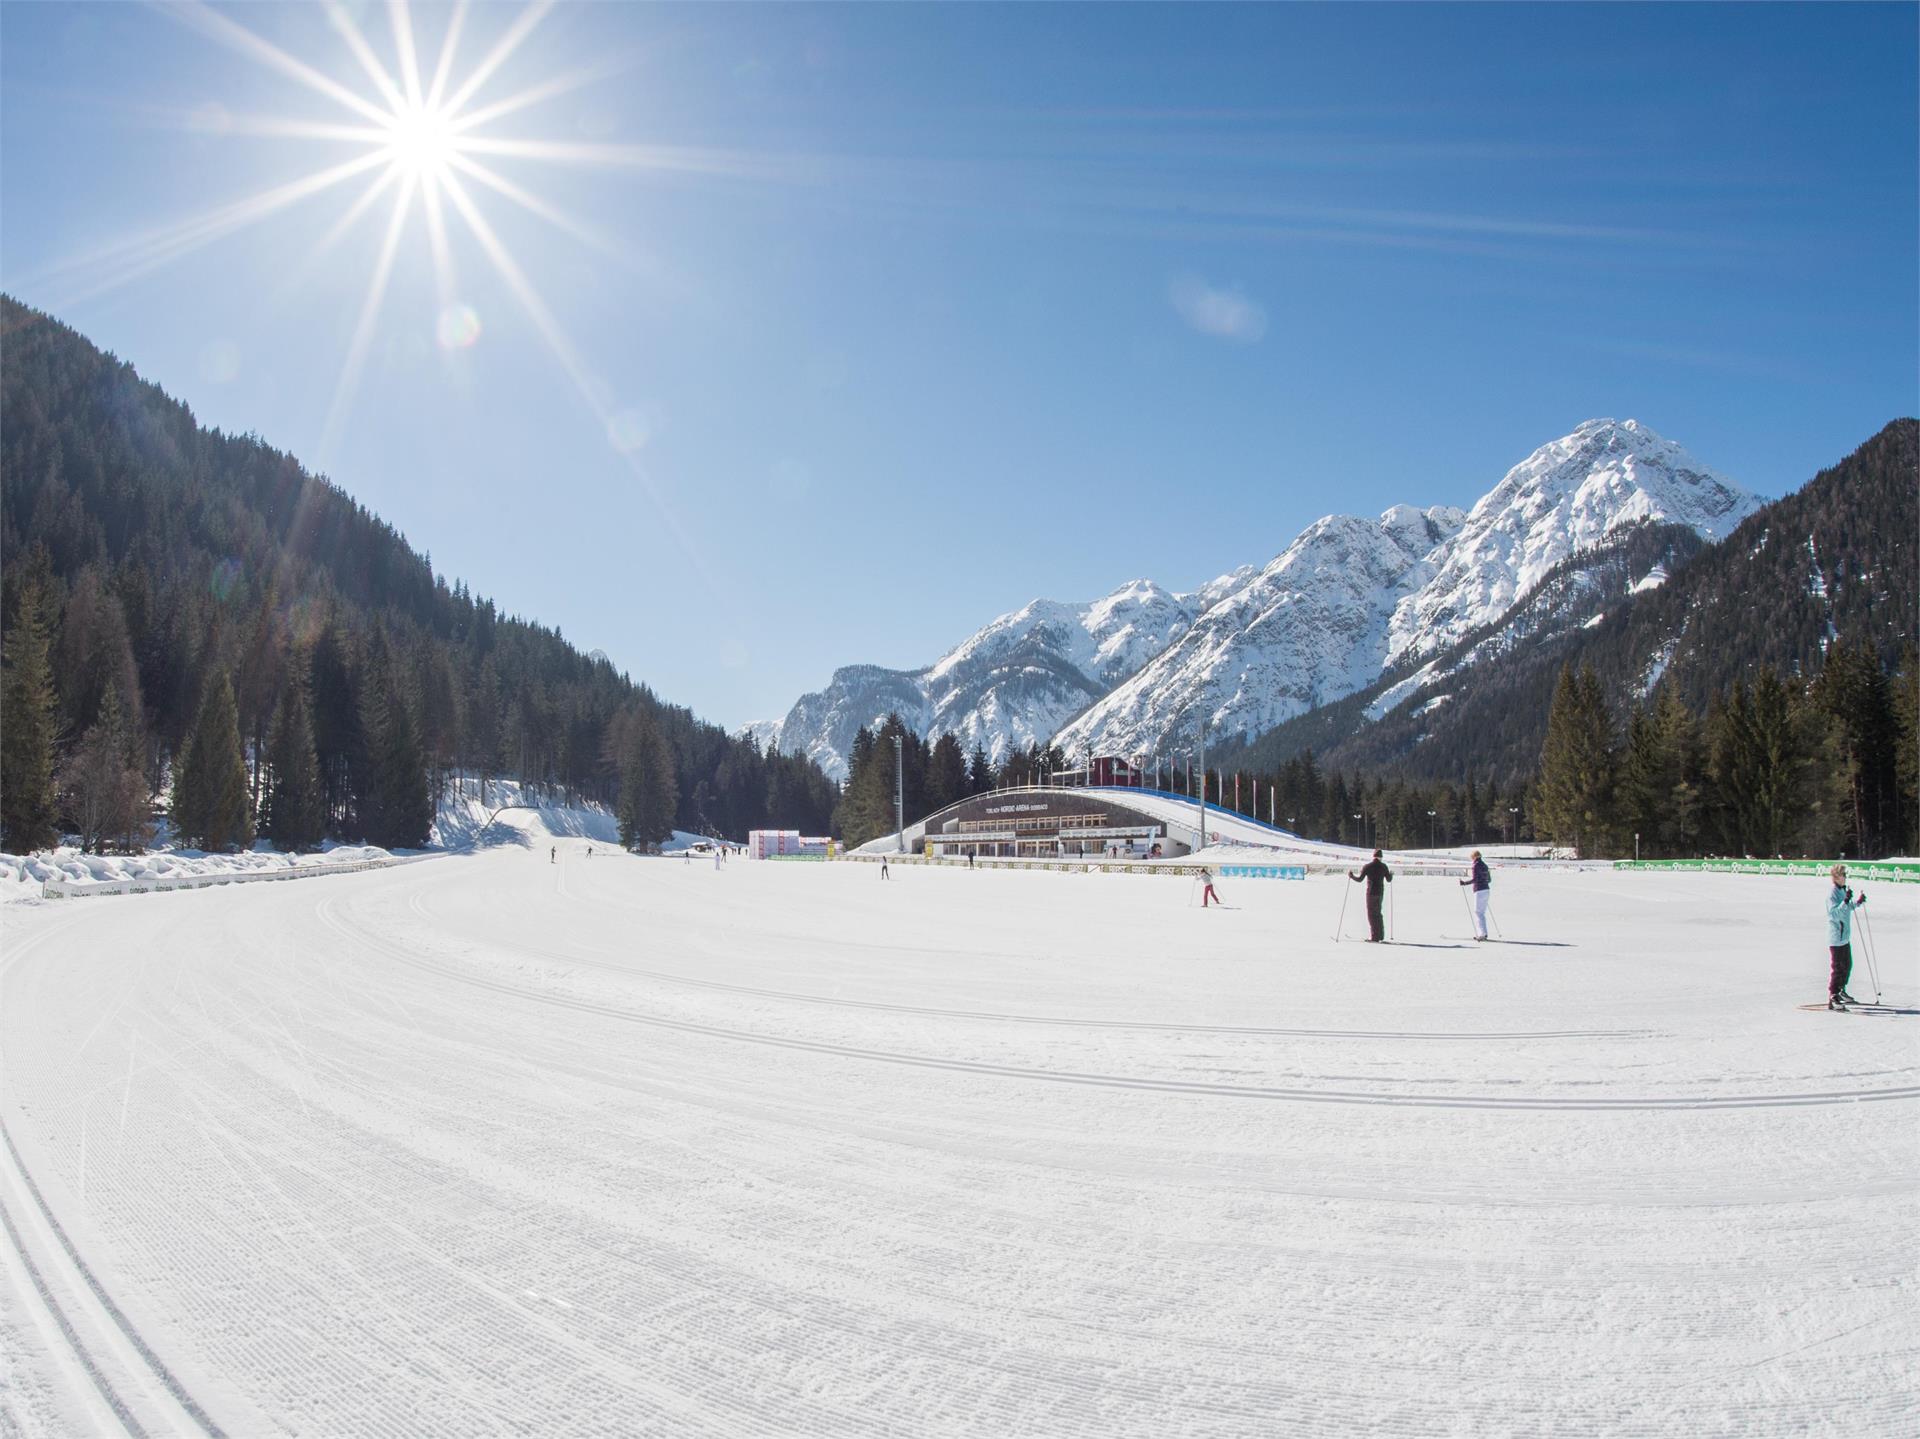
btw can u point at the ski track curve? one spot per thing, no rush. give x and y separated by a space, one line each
1115 1081
354 1161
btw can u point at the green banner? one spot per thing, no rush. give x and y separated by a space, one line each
1896 871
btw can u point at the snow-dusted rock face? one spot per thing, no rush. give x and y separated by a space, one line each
1130 673
1564 497
1004 687
1310 627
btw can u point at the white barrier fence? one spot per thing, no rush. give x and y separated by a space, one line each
147 884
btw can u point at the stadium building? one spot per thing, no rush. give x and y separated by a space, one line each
1047 823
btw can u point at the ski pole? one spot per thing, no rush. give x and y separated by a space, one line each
1389 914
1873 969
1469 907
1346 891
1499 933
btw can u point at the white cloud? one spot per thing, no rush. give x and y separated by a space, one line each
1226 314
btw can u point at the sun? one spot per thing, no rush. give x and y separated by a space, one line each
421 141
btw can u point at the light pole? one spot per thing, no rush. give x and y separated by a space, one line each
1363 831
899 793
1513 824
1203 776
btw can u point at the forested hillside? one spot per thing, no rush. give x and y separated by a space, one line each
1837 560
166 585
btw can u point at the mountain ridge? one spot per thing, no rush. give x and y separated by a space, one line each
1340 605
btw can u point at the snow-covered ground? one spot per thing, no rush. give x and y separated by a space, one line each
613 1146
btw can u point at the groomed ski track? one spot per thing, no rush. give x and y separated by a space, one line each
623 1146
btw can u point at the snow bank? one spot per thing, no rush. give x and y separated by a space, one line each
513 814
21 876
516 814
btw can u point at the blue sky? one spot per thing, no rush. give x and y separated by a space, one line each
838 331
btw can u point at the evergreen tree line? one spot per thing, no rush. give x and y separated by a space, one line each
933 775
144 561
1776 766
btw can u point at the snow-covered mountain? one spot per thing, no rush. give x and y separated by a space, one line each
1129 674
1310 627
1564 497
1007 685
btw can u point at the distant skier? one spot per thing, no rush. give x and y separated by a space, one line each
883 866
716 859
1482 883
553 855
1377 877
969 859
1207 895
1841 903
589 851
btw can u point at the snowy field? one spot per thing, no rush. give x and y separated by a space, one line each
487 1145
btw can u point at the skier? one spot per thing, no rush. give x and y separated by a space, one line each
1207 894
716 859
883 866
969 859
1841 903
553 855
1377 877
1482 883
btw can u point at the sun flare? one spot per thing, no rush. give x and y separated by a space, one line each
420 141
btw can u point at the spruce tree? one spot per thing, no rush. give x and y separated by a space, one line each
210 809
648 791
395 802
1575 795
979 771
1760 759
28 729
1906 716
946 779
294 811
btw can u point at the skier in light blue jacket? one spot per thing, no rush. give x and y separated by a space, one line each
1841 903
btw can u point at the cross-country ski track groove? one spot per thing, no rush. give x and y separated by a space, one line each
1117 1081
418 905
494 1146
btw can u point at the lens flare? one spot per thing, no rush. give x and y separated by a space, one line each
458 328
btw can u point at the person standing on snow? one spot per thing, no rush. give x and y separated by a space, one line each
1207 894
1377 877
883 866
1841 903
1482 882
553 855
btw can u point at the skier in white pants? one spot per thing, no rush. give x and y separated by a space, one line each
1482 883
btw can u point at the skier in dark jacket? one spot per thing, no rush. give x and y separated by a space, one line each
1841 903
1377 877
1482 882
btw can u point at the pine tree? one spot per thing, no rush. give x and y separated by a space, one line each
395 804
294 812
1906 713
210 807
648 790
1575 795
1854 693
946 779
1761 763
28 729
979 771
